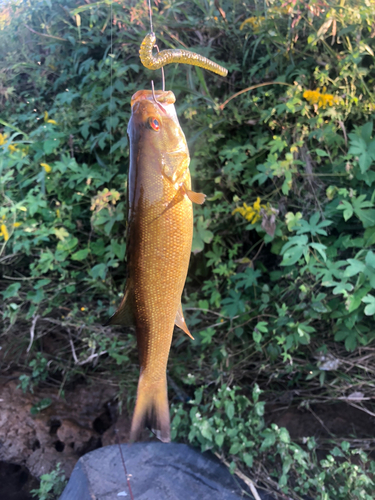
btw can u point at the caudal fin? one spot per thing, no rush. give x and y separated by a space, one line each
151 410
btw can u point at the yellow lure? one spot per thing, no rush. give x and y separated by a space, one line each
174 56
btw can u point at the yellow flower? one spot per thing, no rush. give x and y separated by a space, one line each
83 308
12 148
4 232
252 214
257 205
321 99
17 224
47 120
254 22
3 138
46 167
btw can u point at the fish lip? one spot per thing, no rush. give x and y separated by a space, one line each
162 96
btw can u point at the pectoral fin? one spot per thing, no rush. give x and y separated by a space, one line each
181 323
124 315
197 198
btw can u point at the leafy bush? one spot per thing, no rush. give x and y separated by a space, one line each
51 485
283 265
232 425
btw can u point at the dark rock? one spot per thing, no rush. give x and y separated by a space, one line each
157 472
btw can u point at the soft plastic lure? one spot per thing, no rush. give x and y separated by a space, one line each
174 56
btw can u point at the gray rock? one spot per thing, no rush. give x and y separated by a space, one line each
157 472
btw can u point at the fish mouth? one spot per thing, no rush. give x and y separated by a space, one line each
162 96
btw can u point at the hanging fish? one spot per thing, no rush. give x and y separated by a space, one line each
159 239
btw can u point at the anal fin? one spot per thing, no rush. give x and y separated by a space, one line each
181 323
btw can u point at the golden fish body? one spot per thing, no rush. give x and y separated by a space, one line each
160 232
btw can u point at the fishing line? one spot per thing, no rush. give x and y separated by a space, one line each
111 163
157 48
150 11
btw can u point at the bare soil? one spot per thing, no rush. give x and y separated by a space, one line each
32 445
87 418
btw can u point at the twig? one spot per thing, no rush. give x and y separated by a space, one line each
43 34
344 132
359 407
72 346
244 478
92 356
320 421
208 311
32 332
222 106
258 252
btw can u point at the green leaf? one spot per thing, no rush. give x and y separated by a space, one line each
293 250
11 291
206 430
229 409
118 249
269 440
370 259
257 336
248 459
201 234
313 227
284 435
61 233
81 254
351 342
370 308
320 152
355 267
262 326
354 301
235 448
320 248
99 271
248 278
219 439
292 220
40 406
50 145
367 217
347 209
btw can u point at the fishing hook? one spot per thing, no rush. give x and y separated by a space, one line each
153 92
162 70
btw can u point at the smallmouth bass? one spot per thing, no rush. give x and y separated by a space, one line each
159 238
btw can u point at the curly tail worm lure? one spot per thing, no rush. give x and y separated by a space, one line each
174 56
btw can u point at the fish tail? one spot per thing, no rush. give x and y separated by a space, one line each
151 409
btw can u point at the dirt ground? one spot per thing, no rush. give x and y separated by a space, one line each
32 445
86 419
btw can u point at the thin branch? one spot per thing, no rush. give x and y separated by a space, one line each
43 34
32 332
244 478
222 106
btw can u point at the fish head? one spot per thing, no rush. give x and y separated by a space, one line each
154 126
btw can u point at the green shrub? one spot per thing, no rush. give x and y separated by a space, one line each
283 264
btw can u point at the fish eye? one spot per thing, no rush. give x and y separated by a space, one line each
153 123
